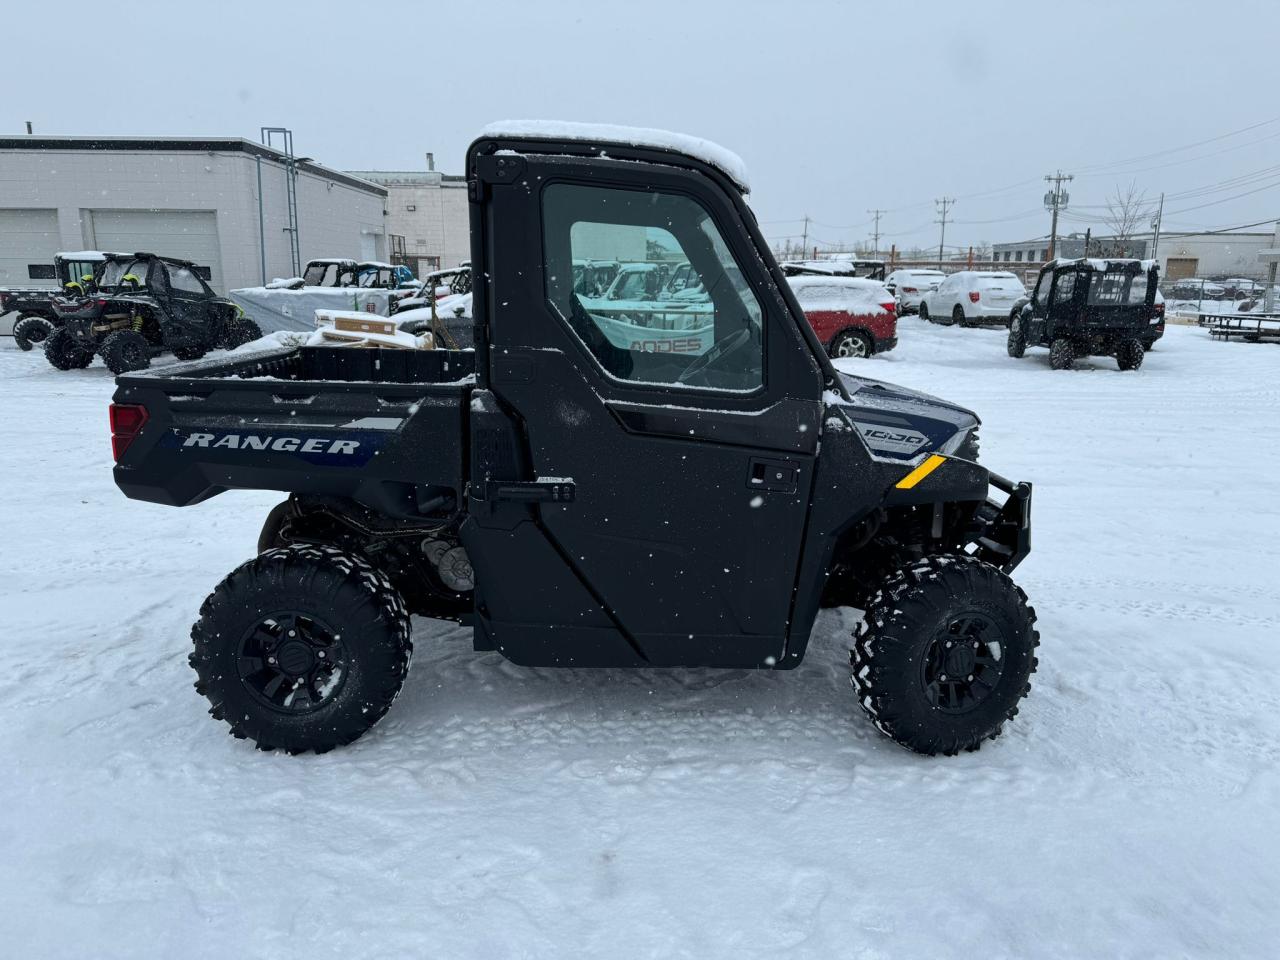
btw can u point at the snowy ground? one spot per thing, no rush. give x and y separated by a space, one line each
1132 810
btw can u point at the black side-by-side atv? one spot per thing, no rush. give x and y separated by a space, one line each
589 493
1091 307
140 306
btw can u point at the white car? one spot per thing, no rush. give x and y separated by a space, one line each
972 297
909 287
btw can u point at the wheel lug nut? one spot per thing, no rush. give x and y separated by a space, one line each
320 654
271 659
970 678
293 633
975 644
948 644
944 676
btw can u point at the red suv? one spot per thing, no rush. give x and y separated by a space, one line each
852 317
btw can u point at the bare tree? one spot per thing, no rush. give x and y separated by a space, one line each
1125 212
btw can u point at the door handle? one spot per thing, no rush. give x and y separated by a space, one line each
559 490
767 474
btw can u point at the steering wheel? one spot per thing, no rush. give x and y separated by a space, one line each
719 350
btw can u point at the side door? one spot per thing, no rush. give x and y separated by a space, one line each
1039 312
689 436
188 301
944 298
1062 309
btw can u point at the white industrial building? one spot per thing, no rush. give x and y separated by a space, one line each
1181 255
198 199
428 221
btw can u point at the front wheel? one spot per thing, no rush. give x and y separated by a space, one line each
302 648
239 331
924 312
944 654
29 331
1017 344
850 343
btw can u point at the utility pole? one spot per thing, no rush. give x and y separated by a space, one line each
1155 228
876 214
804 241
1055 200
944 204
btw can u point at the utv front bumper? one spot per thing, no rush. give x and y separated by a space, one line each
1006 539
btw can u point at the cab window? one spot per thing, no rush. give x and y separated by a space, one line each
1042 288
1066 288
710 338
184 280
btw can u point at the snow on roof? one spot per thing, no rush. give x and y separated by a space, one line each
84 256
1102 263
375 264
726 161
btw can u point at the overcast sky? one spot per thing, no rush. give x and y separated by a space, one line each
837 108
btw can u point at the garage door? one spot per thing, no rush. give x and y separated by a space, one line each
26 237
186 234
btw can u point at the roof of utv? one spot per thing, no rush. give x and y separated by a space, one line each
142 255
726 161
1103 264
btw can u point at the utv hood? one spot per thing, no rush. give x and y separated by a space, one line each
901 424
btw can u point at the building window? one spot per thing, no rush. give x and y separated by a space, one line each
1019 256
1044 254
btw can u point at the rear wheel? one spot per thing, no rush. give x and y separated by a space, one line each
1129 355
62 351
125 350
1017 343
924 311
302 648
30 330
944 654
1061 354
850 343
957 316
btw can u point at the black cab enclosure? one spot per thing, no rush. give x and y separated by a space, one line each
588 491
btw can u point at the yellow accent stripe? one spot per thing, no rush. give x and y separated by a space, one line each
920 472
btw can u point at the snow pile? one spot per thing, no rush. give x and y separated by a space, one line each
726 161
852 294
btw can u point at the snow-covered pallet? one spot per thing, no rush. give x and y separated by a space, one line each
1258 327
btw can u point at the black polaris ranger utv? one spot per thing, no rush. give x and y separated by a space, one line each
141 305
1091 307
582 498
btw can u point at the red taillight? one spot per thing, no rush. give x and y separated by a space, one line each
127 421
101 303
910 290
889 307
1159 308
974 296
